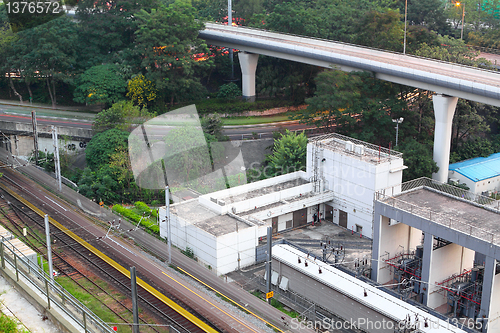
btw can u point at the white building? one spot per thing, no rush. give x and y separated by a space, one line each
354 170
223 228
480 174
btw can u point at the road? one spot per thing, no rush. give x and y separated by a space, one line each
159 274
22 114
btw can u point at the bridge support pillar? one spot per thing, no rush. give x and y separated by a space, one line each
248 63
444 109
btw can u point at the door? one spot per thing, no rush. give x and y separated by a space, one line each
300 217
329 213
343 218
275 225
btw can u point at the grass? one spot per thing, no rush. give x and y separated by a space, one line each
277 304
255 120
10 325
91 302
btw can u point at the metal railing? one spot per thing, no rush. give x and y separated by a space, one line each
56 296
338 142
446 188
389 197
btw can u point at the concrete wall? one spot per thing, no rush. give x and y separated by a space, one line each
446 261
282 219
354 180
184 234
490 184
24 145
494 321
256 185
230 245
294 206
329 298
394 240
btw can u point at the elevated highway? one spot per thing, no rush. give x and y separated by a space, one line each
448 80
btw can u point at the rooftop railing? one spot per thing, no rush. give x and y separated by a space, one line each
390 195
371 149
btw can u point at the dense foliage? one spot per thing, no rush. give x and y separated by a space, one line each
138 58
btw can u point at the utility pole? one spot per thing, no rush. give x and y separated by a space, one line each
169 234
57 164
268 263
135 308
230 23
35 135
49 250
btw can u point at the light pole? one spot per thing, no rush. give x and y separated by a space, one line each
463 16
397 121
406 13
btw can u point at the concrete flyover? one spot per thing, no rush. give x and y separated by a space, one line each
448 80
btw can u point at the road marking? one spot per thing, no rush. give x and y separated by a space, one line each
215 306
56 203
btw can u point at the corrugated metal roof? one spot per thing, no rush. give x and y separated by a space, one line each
479 168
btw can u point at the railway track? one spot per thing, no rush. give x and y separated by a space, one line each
165 307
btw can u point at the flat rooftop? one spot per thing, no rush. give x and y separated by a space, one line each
450 211
265 190
349 146
196 214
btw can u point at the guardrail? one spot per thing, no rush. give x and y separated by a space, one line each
56 296
390 195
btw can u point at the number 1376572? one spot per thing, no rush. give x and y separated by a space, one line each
33 7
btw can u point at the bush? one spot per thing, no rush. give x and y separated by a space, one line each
146 223
229 91
188 252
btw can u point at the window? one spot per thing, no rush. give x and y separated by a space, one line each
359 229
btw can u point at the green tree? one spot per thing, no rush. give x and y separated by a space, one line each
34 14
452 50
382 30
428 13
211 10
167 42
212 125
7 38
229 91
46 53
418 158
121 116
106 30
289 154
469 122
490 38
246 8
474 147
141 90
191 158
101 84
332 104
103 145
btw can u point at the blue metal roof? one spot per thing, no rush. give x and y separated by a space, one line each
479 168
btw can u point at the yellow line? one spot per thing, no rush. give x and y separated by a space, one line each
234 302
211 303
195 320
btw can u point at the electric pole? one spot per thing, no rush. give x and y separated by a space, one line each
57 165
35 135
49 250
